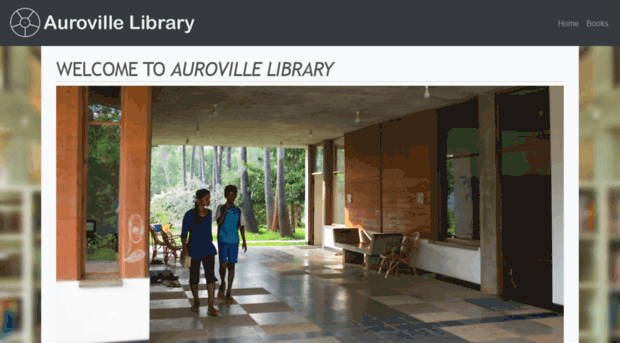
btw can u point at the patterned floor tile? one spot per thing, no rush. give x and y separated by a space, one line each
176 324
168 295
494 304
554 338
529 325
170 303
278 318
480 332
397 300
290 328
267 307
223 321
256 299
555 322
438 317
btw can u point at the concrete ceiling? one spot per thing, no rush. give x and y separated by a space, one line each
255 116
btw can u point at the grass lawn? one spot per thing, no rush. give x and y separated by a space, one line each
102 255
263 235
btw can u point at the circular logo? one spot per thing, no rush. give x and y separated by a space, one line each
25 22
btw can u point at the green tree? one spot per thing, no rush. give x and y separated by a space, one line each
103 165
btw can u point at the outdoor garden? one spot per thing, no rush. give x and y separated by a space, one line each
270 183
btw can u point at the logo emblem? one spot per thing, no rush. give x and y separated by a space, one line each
25 22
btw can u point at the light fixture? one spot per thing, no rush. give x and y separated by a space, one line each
357 118
215 110
310 133
280 142
197 128
187 141
426 93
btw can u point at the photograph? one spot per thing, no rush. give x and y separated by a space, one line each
360 213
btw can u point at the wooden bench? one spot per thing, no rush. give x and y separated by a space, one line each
362 247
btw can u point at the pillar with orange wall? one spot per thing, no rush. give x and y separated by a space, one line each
134 181
71 116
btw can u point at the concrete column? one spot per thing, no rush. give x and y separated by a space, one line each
491 261
71 119
135 183
328 168
309 205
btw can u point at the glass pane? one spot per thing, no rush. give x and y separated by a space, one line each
461 216
586 213
339 198
103 190
318 167
339 159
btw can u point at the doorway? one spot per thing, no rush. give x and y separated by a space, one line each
525 185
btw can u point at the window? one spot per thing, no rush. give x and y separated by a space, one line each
103 180
463 197
318 165
339 194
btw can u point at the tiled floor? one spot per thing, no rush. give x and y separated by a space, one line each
303 294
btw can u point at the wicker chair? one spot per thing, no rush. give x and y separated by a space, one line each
159 246
396 254
171 247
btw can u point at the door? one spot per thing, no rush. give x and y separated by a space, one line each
525 185
318 210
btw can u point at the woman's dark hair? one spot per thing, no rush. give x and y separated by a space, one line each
230 188
201 193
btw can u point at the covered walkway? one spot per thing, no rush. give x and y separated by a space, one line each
304 293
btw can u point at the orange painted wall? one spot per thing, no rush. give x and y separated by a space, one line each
383 176
71 109
135 181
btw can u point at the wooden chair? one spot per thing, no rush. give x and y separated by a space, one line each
159 244
171 247
396 254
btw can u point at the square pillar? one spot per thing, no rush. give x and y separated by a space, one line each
135 182
71 137
491 262
328 168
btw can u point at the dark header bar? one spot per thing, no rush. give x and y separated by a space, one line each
315 23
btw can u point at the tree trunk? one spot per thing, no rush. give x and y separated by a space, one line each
247 198
220 151
191 167
228 157
283 219
292 210
184 169
269 205
201 161
214 169
274 223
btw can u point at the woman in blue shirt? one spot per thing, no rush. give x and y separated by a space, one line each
199 246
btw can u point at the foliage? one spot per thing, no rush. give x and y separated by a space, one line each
266 235
276 243
103 165
170 207
451 222
450 176
101 248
